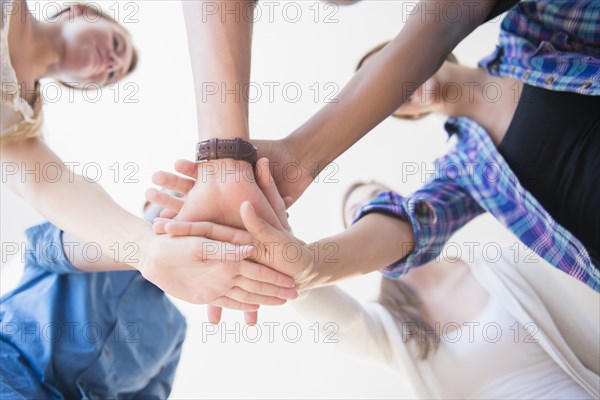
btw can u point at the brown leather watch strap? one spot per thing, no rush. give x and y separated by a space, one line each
216 149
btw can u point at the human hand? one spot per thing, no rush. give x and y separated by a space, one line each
292 177
273 243
205 270
172 205
181 185
220 188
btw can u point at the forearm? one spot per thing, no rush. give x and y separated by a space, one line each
381 86
220 50
87 211
374 242
341 319
79 258
75 205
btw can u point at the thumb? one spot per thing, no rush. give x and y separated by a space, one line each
288 201
258 227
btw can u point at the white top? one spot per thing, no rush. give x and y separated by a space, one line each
493 356
16 112
501 359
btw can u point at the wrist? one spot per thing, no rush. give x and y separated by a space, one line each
225 170
309 279
309 150
299 152
322 268
141 239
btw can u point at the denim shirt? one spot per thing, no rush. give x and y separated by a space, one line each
69 334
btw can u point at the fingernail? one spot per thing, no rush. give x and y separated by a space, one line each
291 283
248 251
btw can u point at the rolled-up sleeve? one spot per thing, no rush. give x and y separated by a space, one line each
45 250
435 212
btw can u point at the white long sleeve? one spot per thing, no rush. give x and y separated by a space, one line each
360 328
370 332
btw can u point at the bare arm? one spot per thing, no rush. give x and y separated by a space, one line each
374 242
72 248
382 85
220 38
72 203
195 269
220 50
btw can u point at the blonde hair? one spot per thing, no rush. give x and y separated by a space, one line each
400 300
351 189
451 58
24 129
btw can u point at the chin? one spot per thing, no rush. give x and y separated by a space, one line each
84 59
76 79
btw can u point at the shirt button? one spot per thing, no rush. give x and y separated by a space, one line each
560 37
587 84
512 70
549 80
526 75
424 212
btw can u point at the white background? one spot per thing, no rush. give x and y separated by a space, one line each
160 128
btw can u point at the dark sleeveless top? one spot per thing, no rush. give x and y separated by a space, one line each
553 146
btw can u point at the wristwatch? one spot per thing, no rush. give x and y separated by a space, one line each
216 149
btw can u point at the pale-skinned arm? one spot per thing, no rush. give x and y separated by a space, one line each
190 268
220 41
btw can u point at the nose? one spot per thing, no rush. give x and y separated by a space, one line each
114 62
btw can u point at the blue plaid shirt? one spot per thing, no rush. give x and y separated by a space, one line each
471 179
550 44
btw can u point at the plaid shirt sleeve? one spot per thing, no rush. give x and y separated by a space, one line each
551 44
435 211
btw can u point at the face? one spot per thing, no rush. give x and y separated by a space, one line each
424 100
358 197
96 50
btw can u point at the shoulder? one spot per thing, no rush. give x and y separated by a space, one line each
7 9
4 12
13 11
